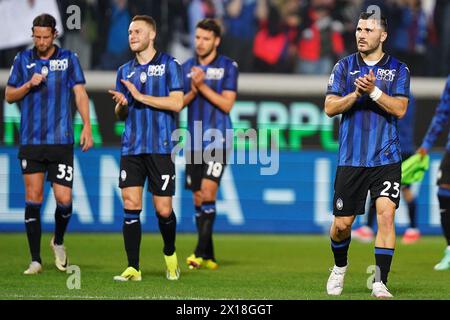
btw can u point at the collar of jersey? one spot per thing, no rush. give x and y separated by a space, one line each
212 62
380 63
35 56
153 61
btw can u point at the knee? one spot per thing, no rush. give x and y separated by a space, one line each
131 202
64 200
342 226
208 194
198 198
34 195
385 219
163 210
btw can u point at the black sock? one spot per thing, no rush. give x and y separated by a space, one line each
412 207
383 260
205 246
198 224
132 233
168 229
33 227
62 218
210 217
371 216
340 250
444 205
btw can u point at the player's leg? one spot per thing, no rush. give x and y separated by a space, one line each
444 205
384 246
385 188
193 182
60 175
365 233
208 212
412 234
193 260
63 213
350 193
161 173
34 189
340 235
131 181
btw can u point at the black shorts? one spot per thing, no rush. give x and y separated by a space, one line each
55 160
211 170
352 184
158 168
444 170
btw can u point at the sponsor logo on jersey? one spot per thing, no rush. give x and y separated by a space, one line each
214 73
59 65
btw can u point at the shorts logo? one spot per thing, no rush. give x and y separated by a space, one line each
339 204
143 77
123 175
24 164
188 179
44 71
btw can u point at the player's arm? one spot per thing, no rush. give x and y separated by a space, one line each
188 97
82 103
173 102
439 122
224 101
396 106
13 94
335 105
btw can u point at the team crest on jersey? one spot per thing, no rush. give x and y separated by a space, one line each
214 73
59 65
143 77
386 74
123 175
24 164
44 71
339 204
156 70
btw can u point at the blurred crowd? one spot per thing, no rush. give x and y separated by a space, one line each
276 36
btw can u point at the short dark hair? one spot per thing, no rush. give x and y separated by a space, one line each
149 20
45 20
210 25
371 15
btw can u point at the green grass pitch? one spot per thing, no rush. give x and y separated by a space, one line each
251 267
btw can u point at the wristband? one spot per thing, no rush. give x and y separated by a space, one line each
376 94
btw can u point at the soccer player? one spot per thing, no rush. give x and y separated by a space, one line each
412 234
438 124
370 89
210 85
42 81
149 90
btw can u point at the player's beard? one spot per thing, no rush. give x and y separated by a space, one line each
371 50
206 54
43 50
